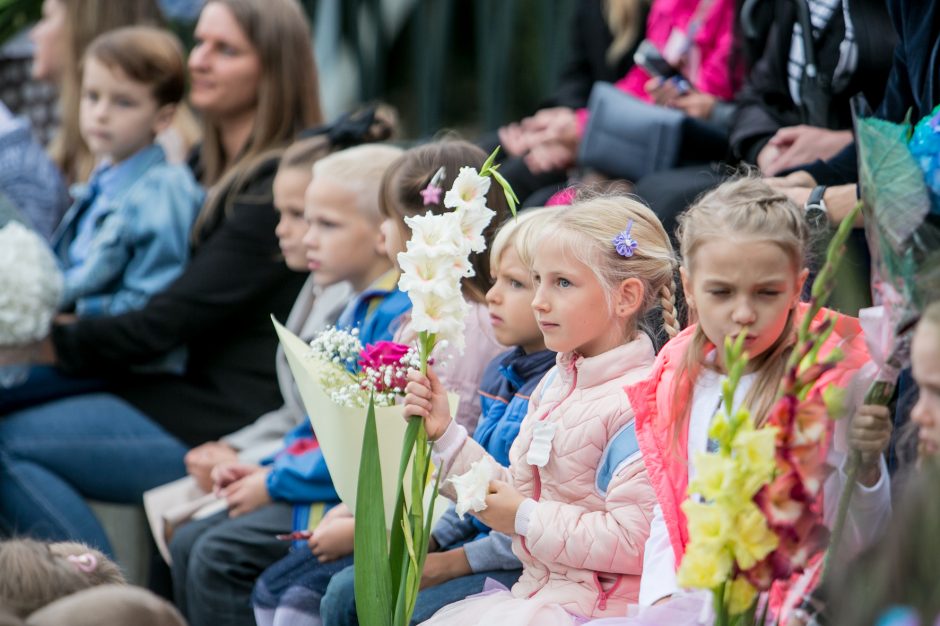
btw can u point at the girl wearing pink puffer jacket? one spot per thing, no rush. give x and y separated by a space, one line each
576 498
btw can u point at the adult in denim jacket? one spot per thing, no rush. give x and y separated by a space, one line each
141 234
115 446
28 179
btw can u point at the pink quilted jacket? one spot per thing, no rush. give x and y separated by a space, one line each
583 548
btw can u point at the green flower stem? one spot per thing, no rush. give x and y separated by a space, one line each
880 394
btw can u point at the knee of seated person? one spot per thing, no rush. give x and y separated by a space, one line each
338 605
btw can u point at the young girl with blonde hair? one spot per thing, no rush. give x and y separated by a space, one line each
742 247
575 498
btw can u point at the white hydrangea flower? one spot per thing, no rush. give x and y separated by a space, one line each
472 487
30 286
468 191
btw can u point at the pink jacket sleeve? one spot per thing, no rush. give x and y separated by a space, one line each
611 540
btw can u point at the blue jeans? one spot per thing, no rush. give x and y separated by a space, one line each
45 383
55 455
338 606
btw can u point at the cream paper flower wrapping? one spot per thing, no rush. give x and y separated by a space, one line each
472 487
30 286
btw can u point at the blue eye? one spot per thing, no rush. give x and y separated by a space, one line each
515 284
564 282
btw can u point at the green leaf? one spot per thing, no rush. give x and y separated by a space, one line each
511 198
488 164
396 550
373 578
892 183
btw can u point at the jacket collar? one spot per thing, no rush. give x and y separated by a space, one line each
597 370
518 367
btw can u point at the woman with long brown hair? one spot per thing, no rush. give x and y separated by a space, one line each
254 81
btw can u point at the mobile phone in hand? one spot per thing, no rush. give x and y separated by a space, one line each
649 57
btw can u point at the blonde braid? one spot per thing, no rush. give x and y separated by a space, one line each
667 300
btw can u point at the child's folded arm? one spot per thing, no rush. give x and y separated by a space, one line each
608 540
492 552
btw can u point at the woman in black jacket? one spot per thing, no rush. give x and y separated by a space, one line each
254 81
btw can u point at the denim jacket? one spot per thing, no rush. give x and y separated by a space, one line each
141 238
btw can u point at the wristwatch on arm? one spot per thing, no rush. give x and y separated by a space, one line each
816 212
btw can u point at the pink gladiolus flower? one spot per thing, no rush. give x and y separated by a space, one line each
782 501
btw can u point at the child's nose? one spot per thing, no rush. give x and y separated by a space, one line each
744 313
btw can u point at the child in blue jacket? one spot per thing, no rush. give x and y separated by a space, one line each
464 553
216 560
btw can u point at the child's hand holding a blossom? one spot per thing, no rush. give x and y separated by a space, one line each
502 503
425 397
870 433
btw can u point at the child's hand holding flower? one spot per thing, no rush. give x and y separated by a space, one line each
501 505
425 397
870 433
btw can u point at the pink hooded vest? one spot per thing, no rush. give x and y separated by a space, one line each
653 401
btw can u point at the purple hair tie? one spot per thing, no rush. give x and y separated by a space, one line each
432 193
624 244
86 563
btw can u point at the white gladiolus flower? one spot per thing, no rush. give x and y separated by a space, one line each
472 487
468 191
440 316
423 273
437 235
30 286
472 224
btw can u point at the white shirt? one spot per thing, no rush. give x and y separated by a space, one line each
868 514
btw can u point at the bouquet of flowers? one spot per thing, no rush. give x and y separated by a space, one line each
30 287
436 259
354 375
754 515
899 176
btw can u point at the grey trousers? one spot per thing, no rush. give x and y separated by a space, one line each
217 560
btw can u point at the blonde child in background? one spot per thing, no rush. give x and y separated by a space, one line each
216 560
291 590
36 573
743 247
576 498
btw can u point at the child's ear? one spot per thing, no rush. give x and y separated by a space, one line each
381 245
800 283
629 297
687 288
164 118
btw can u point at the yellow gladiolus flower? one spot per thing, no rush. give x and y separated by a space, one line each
740 596
755 450
704 566
751 540
714 476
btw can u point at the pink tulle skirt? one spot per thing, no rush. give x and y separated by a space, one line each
497 605
693 609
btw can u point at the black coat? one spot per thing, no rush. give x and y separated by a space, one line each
913 85
764 103
219 309
587 63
